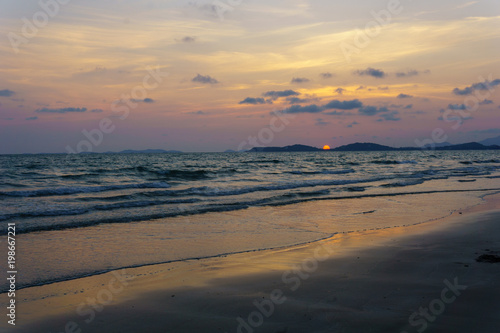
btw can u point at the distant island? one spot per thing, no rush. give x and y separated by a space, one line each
145 151
367 146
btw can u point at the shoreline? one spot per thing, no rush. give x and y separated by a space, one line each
255 268
486 192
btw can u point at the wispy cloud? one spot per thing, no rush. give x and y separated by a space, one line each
343 105
205 79
297 100
6 93
457 106
61 110
486 102
300 80
404 96
198 113
277 94
313 108
188 39
376 73
486 85
467 4
145 100
371 110
390 116
254 101
411 72
321 122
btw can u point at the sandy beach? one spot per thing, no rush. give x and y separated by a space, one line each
409 279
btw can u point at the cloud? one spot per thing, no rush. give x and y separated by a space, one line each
313 108
458 119
409 106
254 101
404 96
96 110
32 118
343 105
486 102
486 85
61 110
467 4
371 110
376 73
391 116
352 124
326 75
321 122
205 79
277 94
198 113
383 88
487 131
340 91
296 100
360 88
457 106
6 93
337 113
411 73
188 39
145 100
300 80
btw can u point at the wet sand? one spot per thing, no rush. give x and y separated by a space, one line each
409 279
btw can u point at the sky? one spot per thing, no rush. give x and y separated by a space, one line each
211 75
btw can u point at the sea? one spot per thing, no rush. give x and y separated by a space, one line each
78 215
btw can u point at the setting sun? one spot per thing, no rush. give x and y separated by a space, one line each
326 147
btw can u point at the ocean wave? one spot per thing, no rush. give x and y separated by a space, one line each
389 162
486 161
164 173
221 207
183 174
274 161
356 189
212 191
89 209
80 189
322 172
404 183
